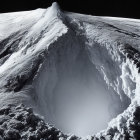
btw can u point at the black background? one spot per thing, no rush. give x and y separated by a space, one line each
117 8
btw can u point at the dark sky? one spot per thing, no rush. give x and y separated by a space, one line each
119 8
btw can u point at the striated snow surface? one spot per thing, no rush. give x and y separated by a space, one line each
68 76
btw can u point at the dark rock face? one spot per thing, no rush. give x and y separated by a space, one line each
20 123
129 128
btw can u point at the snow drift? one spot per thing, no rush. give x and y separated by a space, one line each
78 73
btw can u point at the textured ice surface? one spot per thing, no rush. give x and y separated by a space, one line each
79 73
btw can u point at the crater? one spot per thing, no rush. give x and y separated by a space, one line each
72 92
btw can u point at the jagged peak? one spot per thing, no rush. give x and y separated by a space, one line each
55 5
54 10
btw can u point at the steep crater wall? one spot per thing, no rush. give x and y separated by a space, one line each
71 89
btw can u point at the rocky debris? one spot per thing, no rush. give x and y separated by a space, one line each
11 135
129 129
20 123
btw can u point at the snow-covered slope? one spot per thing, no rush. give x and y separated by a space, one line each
76 72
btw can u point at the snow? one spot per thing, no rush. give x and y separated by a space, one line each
78 72
13 22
